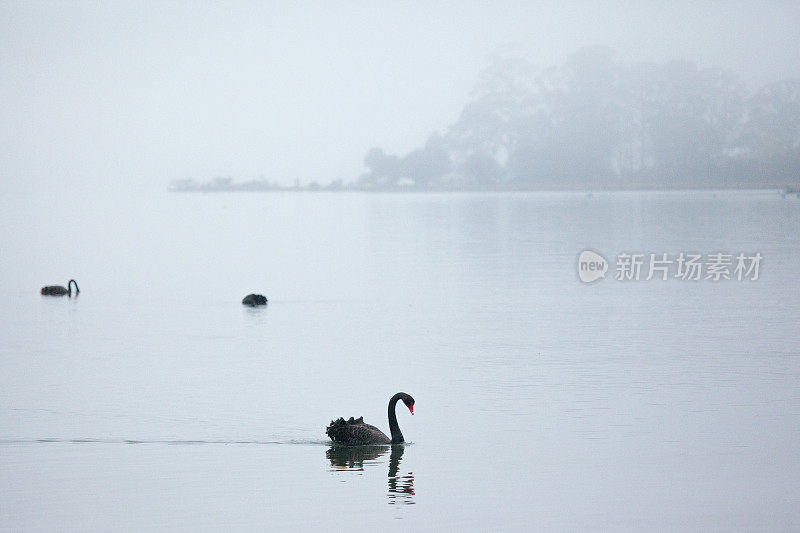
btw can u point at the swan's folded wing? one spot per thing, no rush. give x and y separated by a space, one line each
355 432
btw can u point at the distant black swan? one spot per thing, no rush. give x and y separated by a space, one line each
58 290
254 299
355 432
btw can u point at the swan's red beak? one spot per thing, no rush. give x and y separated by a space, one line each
411 408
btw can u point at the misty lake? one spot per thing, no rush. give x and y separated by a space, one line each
155 400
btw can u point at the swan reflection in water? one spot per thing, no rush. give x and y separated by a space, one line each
401 487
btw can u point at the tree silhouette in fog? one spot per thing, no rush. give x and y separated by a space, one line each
595 123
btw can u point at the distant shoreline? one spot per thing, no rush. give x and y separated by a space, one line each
226 186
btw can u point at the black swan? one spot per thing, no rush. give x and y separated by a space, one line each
355 432
58 290
254 299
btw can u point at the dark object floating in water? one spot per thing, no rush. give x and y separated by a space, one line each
354 432
254 299
58 290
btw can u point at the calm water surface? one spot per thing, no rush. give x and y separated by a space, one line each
155 400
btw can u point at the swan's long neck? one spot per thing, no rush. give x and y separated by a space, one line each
397 435
69 287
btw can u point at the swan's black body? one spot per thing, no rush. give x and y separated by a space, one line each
254 299
354 432
59 290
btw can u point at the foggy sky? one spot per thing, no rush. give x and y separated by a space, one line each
96 95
